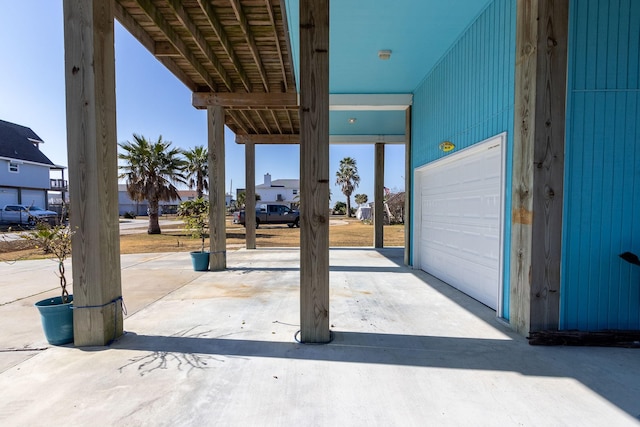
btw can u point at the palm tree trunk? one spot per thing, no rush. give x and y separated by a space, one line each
348 206
154 224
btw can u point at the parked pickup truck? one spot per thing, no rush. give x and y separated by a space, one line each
26 215
271 214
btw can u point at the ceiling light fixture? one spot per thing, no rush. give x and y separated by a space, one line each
352 120
384 54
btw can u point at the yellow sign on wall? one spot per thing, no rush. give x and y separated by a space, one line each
447 146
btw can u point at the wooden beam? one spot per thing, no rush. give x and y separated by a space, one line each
538 163
203 44
217 208
264 122
156 16
408 173
238 121
250 194
274 28
268 139
145 39
314 171
244 100
164 48
378 190
210 13
276 121
253 47
249 121
92 150
285 26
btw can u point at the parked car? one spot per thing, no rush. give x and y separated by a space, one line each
271 214
26 215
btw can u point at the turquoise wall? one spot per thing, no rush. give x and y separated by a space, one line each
602 172
468 97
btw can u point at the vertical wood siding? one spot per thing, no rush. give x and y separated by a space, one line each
468 97
602 174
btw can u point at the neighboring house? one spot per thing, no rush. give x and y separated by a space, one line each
126 204
279 191
24 169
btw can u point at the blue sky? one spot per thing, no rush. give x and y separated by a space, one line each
149 101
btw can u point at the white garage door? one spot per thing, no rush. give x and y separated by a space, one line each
34 198
459 221
8 196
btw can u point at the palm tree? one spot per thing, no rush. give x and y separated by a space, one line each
197 169
151 170
361 199
348 179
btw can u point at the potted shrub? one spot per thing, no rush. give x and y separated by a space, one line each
56 313
195 214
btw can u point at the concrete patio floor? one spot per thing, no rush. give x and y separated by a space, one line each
219 348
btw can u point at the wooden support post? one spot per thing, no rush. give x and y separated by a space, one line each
378 197
217 208
93 177
538 163
408 174
250 193
314 171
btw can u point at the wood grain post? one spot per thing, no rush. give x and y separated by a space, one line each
250 193
408 174
314 171
538 163
217 208
378 197
93 171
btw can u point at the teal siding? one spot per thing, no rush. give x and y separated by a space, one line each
602 173
468 97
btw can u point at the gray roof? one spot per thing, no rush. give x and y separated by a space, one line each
17 142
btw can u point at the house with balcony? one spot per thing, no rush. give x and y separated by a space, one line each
278 191
25 172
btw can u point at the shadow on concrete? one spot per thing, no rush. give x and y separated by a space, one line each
197 351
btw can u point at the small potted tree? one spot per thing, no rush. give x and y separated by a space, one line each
56 313
195 214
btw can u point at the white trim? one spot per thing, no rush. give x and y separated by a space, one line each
487 144
370 102
366 139
27 162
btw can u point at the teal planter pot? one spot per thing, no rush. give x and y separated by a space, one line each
57 320
200 261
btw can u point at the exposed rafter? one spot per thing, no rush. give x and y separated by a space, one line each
277 41
238 121
143 37
244 24
276 121
248 120
154 14
202 43
264 122
165 48
224 40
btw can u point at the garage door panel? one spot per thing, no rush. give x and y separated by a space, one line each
461 220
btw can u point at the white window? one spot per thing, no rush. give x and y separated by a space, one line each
295 192
14 167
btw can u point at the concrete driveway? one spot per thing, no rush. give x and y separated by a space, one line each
219 348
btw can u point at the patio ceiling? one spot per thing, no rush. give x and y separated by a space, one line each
242 54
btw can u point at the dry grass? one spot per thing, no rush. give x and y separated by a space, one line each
174 239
